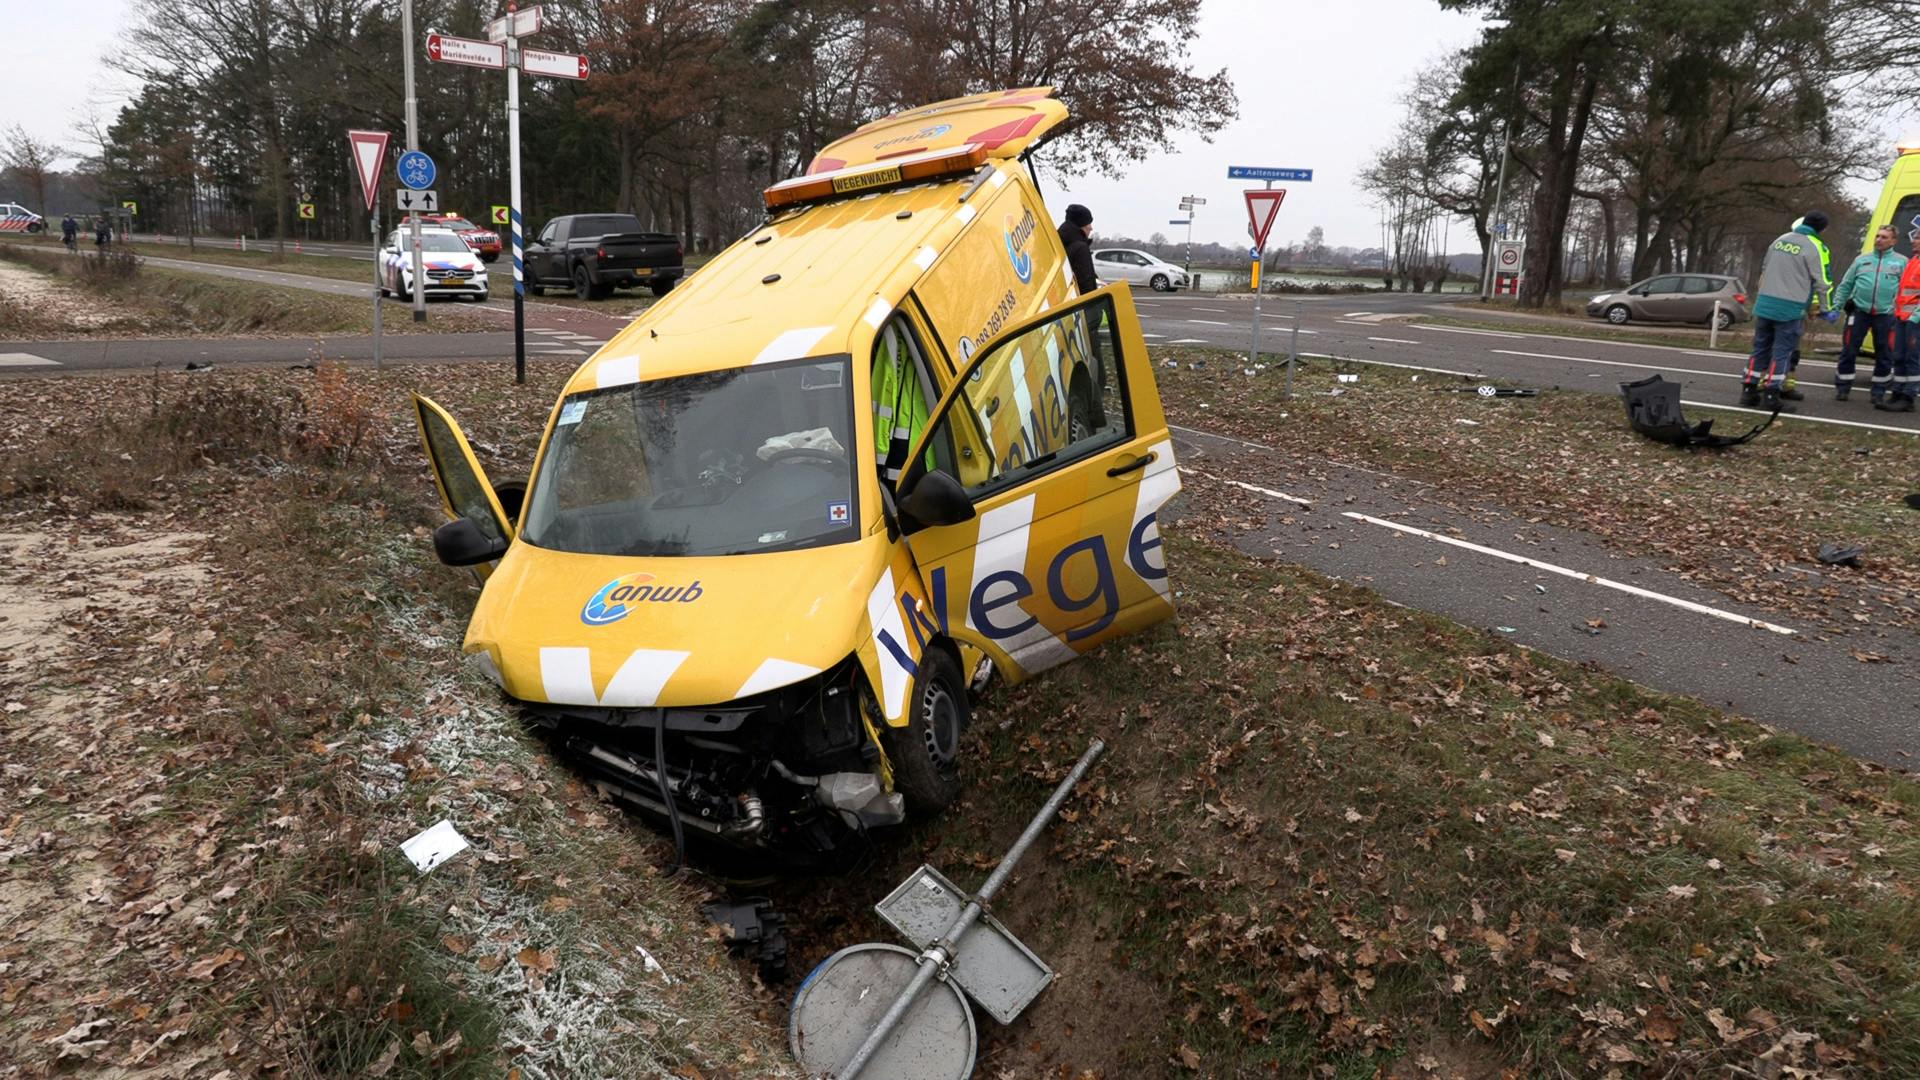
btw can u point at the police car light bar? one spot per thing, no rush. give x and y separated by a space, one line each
1908 145
877 175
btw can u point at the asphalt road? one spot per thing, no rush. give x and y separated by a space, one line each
552 330
1566 593
1379 330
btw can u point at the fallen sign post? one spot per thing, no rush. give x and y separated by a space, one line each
369 150
503 41
1263 206
924 1036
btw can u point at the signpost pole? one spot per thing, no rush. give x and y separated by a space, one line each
413 143
373 222
513 200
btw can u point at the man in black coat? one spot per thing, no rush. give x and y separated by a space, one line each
1076 233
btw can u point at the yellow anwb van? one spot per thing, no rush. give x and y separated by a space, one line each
782 525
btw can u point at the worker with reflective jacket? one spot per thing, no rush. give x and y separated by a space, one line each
1793 276
899 402
1905 382
1866 293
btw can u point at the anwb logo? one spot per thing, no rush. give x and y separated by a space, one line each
617 598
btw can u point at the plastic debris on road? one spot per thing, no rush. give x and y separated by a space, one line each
1837 554
433 846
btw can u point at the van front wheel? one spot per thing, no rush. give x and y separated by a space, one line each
925 753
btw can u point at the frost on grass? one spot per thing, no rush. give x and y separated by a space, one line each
574 994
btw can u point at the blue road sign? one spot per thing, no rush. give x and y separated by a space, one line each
1254 254
416 170
1249 172
1179 221
1501 229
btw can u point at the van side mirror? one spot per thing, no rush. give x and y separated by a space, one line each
461 543
936 499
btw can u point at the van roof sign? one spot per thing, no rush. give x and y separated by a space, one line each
1004 123
874 176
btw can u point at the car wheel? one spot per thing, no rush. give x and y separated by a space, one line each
536 290
662 288
1618 314
482 298
490 258
1161 284
1724 319
1082 418
925 752
582 287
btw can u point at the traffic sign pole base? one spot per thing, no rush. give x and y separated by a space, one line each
419 316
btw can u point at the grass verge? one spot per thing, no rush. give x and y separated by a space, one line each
1334 837
338 268
268 757
126 298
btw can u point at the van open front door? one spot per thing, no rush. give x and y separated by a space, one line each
1031 502
465 494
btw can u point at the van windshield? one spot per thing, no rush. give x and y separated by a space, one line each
752 459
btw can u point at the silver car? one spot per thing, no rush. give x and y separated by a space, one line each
1674 298
1130 264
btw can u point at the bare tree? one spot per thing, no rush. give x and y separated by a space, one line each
30 161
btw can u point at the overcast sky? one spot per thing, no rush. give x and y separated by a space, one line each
1319 87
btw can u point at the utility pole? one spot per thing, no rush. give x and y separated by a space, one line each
413 143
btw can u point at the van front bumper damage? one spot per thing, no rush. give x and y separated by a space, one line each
791 772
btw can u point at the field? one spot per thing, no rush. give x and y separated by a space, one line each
1333 836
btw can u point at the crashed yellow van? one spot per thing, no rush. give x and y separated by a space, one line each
781 526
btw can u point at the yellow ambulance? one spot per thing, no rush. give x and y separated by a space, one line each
1899 203
780 527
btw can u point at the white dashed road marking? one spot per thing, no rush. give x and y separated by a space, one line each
21 359
1633 590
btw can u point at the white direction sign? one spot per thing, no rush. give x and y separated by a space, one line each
1196 200
369 154
453 50
515 24
557 65
411 201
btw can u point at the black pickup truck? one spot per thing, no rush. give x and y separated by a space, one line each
594 254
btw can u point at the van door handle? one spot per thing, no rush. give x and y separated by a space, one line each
992 407
1140 462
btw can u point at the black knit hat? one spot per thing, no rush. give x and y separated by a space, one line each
1079 215
1816 220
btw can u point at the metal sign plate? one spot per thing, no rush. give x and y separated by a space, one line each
843 1000
996 970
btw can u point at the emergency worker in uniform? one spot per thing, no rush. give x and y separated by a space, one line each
1793 276
1867 295
1791 391
899 402
1905 381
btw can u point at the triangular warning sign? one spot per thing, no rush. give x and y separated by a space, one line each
369 153
1263 205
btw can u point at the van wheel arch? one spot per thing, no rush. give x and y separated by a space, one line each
924 752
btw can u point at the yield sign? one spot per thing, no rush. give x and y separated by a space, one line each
369 154
1262 207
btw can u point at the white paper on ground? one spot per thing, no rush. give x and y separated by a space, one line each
436 845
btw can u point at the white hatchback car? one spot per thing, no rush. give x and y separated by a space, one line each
1129 264
452 268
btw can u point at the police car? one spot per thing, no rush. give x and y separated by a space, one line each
452 268
17 218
